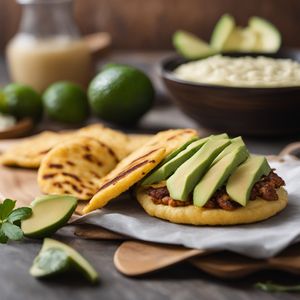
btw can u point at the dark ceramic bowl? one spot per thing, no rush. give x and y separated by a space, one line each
237 110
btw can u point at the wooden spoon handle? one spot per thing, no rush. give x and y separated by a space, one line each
135 258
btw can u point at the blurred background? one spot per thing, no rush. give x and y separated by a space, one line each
140 24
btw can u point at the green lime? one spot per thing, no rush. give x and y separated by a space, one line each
121 94
66 102
22 101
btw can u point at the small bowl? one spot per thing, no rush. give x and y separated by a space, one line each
20 129
237 110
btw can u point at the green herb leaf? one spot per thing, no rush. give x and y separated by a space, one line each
12 231
6 208
19 214
3 237
273 287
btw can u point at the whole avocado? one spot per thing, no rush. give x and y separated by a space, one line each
121 94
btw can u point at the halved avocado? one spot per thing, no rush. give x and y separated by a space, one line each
217 175
48 215
56 257
222 31
242 180
183 181
269 36
190 46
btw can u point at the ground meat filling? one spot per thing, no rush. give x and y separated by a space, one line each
265 189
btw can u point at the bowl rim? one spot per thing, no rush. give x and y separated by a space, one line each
176 60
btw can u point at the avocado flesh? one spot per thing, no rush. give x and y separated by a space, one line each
190 46
269 37
170 167
178 150
48 215
242 180
241 40
222 31
75 259
217 175
167 168
183 181
235 142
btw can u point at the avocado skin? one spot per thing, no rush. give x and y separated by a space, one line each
183 181
242 180
219 172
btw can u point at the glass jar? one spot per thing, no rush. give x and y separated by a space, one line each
48 46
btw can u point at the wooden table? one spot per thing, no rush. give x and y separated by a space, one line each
178 283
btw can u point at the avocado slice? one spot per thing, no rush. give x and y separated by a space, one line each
56 257
190 46
235 142
242 180
222 31
176 151
49 213
183 181
241 40
170 166
269 36
217 175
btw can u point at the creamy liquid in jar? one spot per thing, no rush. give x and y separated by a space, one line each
40 62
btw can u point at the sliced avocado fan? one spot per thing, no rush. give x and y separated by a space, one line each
218 173
169 166
183 181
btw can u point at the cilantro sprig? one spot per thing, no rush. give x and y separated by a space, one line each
10 220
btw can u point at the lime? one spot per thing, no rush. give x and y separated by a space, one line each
66 102
121 94
3 103
22 101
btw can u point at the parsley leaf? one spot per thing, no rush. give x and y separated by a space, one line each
19 214
10 220
273 287
3 237
13 232
6 208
